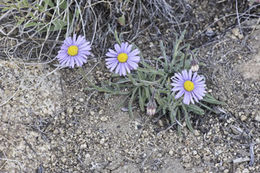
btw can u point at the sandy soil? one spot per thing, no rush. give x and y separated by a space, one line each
49 123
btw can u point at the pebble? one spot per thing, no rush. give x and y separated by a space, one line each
69 110
92 113
245 171
101 112
103 119
196 133
102 141
83 146
194 152
160 122
257 118
171 152
243 117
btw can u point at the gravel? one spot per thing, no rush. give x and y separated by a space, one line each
51 123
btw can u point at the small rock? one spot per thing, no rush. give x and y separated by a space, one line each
245 171
243 117
83 146
226 171
240 36
194 152
81 100
103 119
171 152
102 141
235 31
210 32
257 118
196 133
92 112
101 112
160 123
69 110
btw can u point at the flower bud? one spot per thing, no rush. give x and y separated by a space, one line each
194 65
151 107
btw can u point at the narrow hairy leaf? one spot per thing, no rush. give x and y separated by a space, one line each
187 118
210 99
195 109
130 108
141 98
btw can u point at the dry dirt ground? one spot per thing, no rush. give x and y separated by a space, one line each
49 123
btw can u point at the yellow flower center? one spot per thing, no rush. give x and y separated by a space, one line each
122 57
188 85
73 50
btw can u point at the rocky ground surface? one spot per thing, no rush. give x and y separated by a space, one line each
49 123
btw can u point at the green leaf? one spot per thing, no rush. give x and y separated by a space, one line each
121 20
195 109
63 5
151 70
164 56
147 92
178 126
210 99
187 118
173 115
50 3
205 106
130 108
116 37
58 24
30 24
141 99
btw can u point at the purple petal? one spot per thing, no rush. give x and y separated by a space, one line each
186 99
112 66
134 58
129 48
134 52
112 51
185 75
177 88
117 47
195 97
127 68
74 39
117 68
123 69
190 74
180 93
110 54
132 64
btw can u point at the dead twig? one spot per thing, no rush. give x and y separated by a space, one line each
252 156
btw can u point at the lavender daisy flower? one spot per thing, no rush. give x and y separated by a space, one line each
192 86
123 60
74 51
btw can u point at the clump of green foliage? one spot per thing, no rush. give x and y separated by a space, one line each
155 77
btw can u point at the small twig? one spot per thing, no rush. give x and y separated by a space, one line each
238 19
252 157
29 145
18 89
240 160
146 158
168 128
10 160
141 131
